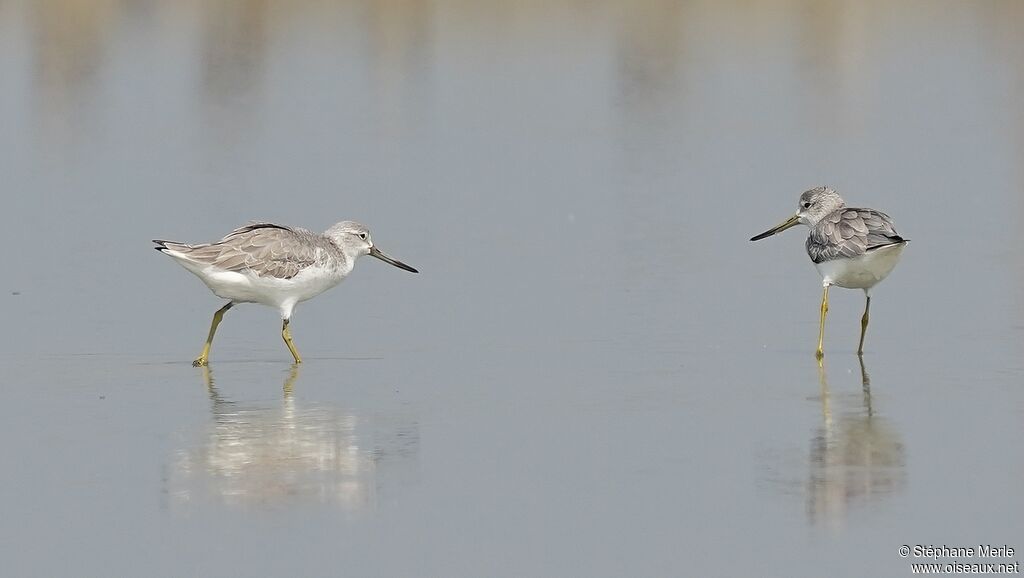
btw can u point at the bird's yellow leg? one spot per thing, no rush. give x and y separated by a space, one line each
287 336
864 325
204 357
821 328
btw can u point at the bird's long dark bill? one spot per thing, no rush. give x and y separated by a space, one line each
374 252
790 222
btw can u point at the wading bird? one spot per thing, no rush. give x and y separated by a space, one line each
276 266
852 248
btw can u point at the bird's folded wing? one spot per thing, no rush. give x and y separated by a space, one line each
265 249
849 233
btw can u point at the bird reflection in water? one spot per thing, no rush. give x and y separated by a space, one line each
290 453
855 454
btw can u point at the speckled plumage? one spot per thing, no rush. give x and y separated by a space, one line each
850 232
265 249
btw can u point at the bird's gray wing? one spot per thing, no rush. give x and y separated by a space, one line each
266 249
850 232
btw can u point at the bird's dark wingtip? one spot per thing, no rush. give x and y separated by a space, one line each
893 241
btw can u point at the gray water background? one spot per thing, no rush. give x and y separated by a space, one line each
595 372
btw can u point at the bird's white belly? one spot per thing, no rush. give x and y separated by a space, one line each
248 287
863 271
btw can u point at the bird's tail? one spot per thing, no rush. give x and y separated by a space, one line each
168 246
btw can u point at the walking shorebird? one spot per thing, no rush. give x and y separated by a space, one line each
852 248
274 265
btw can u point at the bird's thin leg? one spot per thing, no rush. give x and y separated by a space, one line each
864 324
204 357
821 328
287 336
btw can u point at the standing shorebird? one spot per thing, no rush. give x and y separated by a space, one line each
852 248
274 265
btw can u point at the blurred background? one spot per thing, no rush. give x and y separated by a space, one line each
595 372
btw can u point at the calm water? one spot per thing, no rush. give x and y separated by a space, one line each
595 373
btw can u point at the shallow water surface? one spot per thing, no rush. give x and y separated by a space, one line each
595 372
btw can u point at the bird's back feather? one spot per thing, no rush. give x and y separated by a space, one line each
850 232
264 249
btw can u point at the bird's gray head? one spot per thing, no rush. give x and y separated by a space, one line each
354 241
351 237
812 207
816 203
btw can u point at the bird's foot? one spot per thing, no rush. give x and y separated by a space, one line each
200 362
819 354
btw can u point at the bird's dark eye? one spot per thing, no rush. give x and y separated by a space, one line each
362 236
807 205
